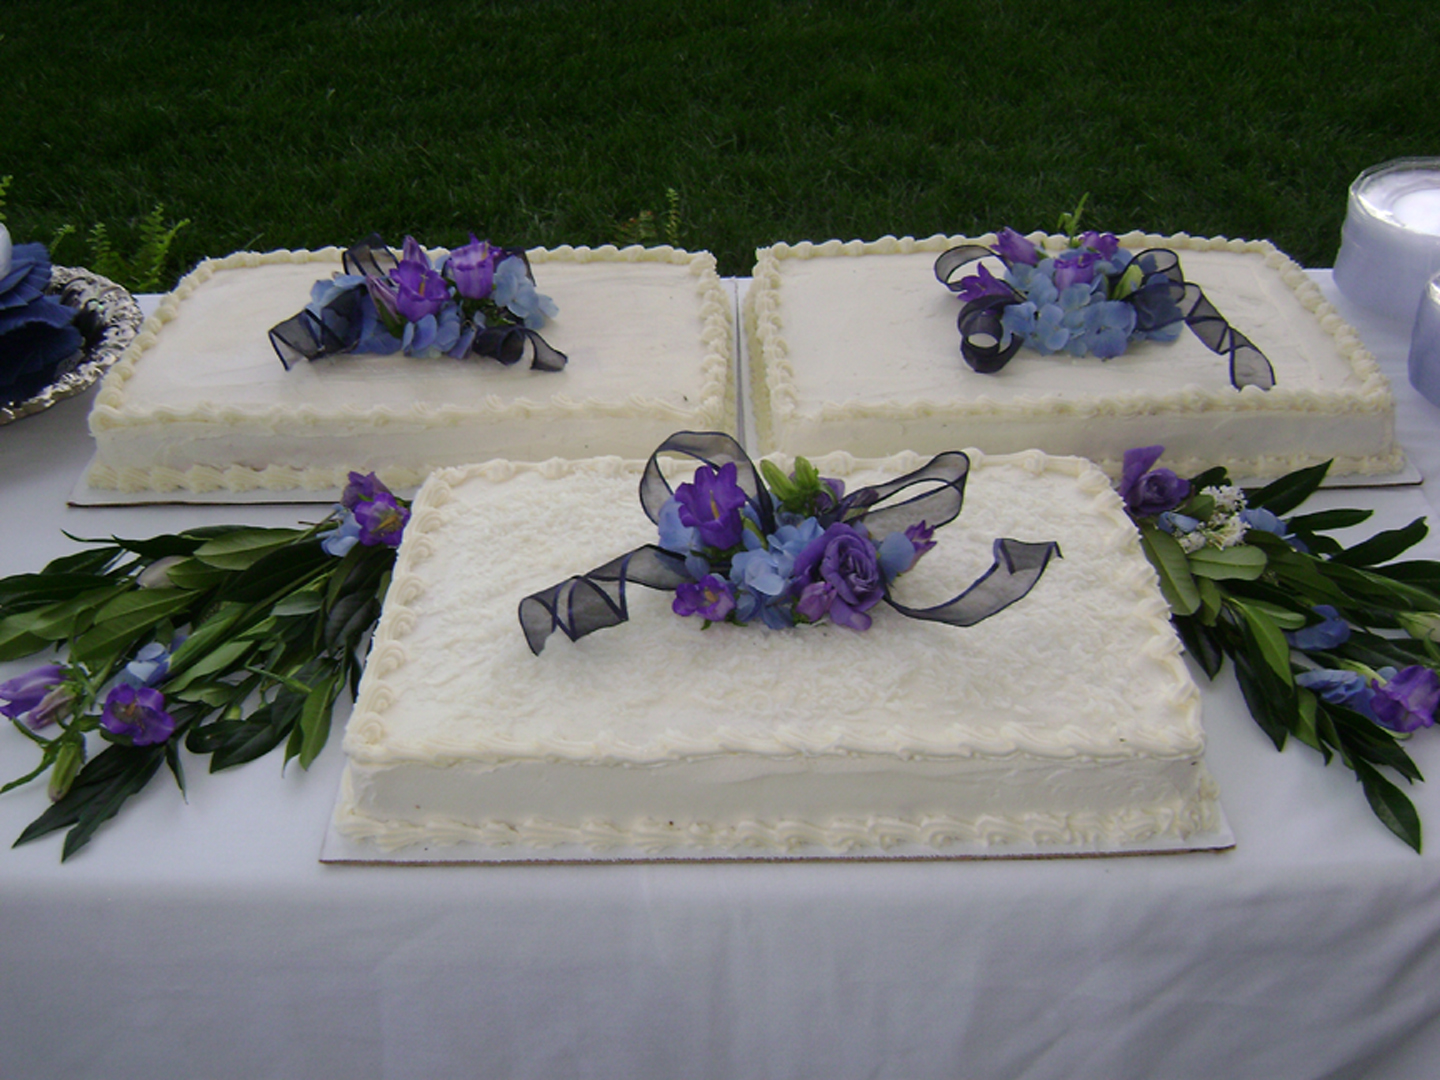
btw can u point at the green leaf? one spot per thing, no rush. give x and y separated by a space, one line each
56 622
102 787
93 561
24 591
1288 492
1200 642
1211 600
1383 546
222 659
306 602
1267 638
1391 805
1284 618
1173 567
196 575
16 642
315 719
1325 520
242 549
126 617
1305 730
280 570
1272 704
1242 563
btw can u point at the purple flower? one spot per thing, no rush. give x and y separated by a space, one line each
381 521
1075 267
1014 248
1148 492
1103 244
472 268
386 298
137 713
37 697
845 559
1407 701
711 598
1331 631
982 283
922 536
364 487
815 599
711 504
419 291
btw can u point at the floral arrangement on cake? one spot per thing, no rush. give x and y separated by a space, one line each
1334 646
1092 298
478 300
230 640
36 335
742 544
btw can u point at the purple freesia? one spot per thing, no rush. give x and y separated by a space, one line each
1148 491
37 697
1407 700
844 559
472 268
1014 248
711 598
710 504
137 713
362 487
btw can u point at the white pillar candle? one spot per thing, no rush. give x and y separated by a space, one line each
1390 245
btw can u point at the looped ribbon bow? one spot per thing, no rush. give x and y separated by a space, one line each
595 600
307 335
981 332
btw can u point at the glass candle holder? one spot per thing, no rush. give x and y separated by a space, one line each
1390 243
1425 344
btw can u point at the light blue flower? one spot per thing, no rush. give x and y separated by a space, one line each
339 542
897 554
514 290
765 572
675 536
1332 630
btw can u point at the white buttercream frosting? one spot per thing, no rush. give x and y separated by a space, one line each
201 402
1069 716
854 346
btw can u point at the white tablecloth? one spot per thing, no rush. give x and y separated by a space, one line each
202 938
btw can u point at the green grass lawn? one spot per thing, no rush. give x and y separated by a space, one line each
549 122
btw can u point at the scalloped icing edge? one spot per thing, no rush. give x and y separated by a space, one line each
365 734
717 394
773 394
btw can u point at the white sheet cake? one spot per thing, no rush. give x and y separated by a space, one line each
201 402
1066 719
854 346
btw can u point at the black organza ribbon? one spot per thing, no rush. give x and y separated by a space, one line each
981 331
307 336
588 602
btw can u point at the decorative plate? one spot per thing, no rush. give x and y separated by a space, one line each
108 319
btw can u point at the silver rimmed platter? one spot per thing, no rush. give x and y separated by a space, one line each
107 317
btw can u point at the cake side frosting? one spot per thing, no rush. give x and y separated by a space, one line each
854 345
200 402
1020 728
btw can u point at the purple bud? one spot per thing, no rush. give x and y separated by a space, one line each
1014 248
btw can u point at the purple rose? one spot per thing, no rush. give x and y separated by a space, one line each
472 268
1149 492
1014 248
37 697
1075 267
710 504
711 598
381 521
137 713
1407 701
845 560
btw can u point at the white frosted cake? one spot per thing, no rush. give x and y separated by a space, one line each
201 402
854 346
1069 718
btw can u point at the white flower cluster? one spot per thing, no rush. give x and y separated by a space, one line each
1224 528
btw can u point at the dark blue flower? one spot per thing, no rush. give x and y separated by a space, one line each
1339 687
